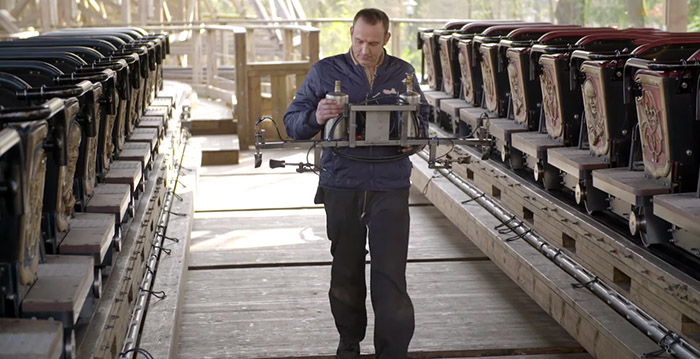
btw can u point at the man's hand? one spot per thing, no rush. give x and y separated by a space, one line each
326 110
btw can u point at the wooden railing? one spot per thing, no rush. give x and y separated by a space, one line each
235 63
223 61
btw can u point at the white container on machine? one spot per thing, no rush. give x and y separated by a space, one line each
339 125
412 98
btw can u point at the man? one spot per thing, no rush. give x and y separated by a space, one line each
364 190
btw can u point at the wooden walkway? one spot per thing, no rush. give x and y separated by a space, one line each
259 268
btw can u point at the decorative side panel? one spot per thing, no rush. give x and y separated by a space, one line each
550 98
68 173
517 87
465 69
595 108
446 71
653 126
488 75
430 66
30 227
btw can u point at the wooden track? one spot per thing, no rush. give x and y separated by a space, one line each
662 291
258 280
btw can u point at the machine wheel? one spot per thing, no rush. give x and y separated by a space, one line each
504 154
118 243
69 344
516 159
655 230
97 283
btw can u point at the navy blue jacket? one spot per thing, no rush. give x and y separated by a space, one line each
339 172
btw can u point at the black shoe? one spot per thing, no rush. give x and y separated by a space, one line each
348 350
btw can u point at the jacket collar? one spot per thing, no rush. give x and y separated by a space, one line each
382 60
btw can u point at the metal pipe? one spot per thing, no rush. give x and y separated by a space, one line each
666 339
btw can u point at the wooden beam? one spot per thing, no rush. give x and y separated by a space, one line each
210 7
126 12
635 13
277 68
19 7
676 15
166 12
196 57
212 70
600 330
395 38
143 12
245 133
191 13
280 101
7 22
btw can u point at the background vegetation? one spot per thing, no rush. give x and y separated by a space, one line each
335 36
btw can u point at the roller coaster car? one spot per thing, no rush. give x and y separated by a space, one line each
31 288
430 58
77 134
498 92
448 52
663 89
562 106
607 124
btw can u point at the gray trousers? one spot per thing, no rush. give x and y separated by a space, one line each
350 216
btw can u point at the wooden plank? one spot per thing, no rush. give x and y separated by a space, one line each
534 144
280 101
108 326
245 130
626 184
257 312
29 338
682 209
585 317
676 289
279 236
161 329
63 284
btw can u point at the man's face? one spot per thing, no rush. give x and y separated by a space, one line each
368 42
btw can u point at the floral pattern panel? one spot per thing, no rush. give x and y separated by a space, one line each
550 97
653 124
34 177
428 56
465 69
517 85
488 76
445 63
594 107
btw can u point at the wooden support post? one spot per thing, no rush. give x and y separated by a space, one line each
288 55
225 50
250 44
196 57
254 96
45 6
635 13
19 8
212 69
143 12
126 12
160 8
309 44
395 38
676 15
278 90
245 132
